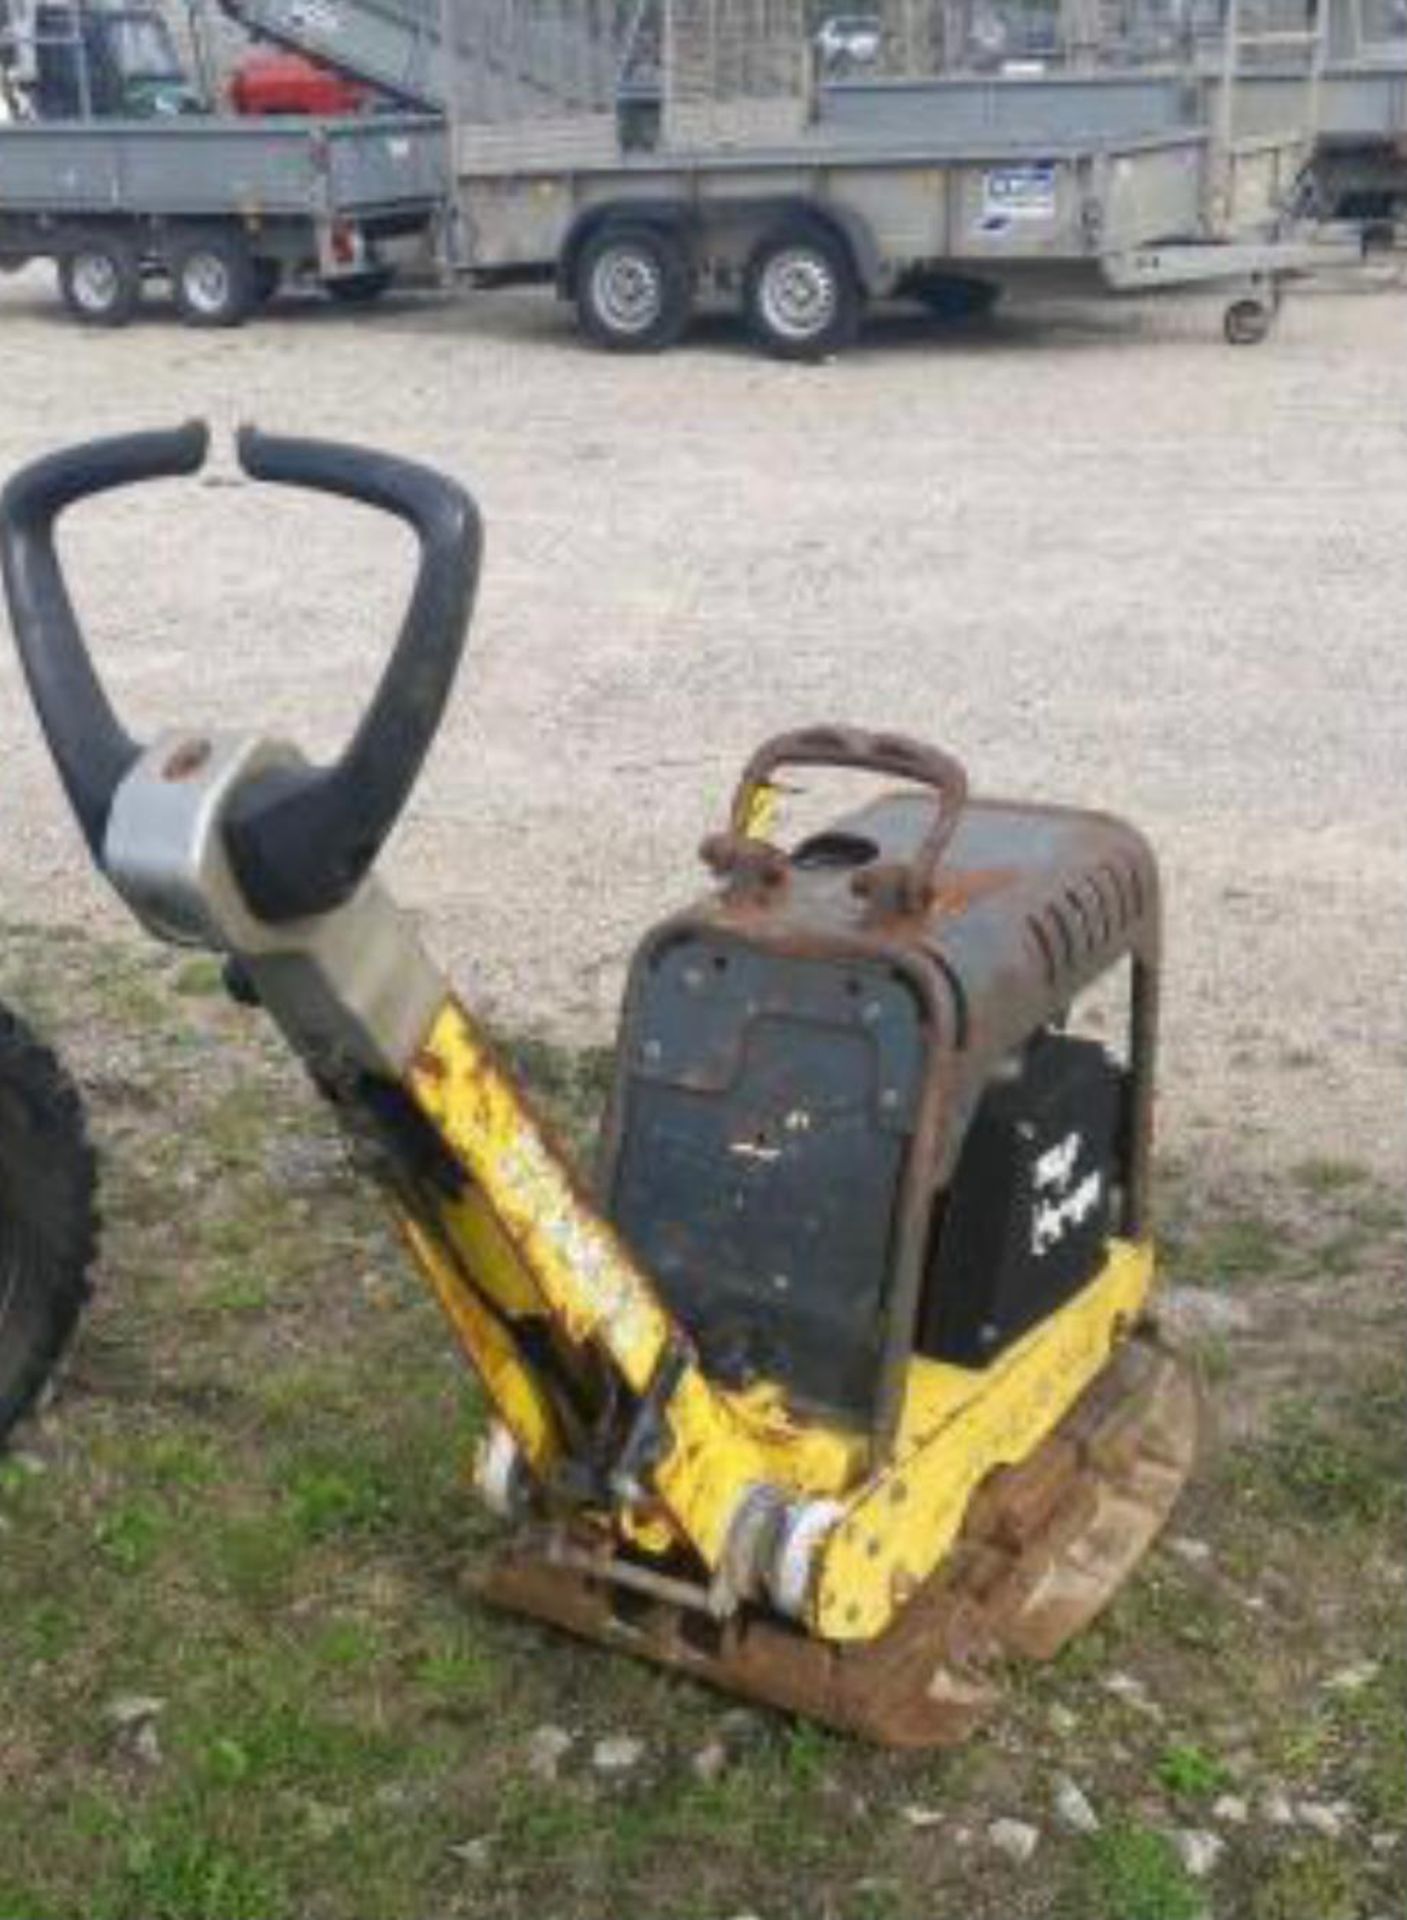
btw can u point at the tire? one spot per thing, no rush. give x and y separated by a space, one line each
801 297
48 1217
1246 323
213 279
360 289
634 288
100 279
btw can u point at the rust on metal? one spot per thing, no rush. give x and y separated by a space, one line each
1044 1547
1022 907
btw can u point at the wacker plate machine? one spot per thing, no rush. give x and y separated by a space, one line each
839 1385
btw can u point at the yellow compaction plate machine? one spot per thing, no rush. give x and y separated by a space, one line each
839 1385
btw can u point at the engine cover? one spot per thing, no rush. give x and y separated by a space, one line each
770 1104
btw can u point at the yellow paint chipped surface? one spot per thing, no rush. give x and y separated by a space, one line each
958 1425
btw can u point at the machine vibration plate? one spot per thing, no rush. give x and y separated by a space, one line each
1044 1547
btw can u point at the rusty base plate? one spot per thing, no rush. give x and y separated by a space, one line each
1045 1545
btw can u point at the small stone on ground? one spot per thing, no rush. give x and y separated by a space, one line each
1072 1806
547 1747
921 1817
618 1753
1016 1840
1198 1850
710 1762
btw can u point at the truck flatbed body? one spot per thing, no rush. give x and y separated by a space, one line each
195 167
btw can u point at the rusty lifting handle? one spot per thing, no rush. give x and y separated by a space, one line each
91 748
908 888
302 839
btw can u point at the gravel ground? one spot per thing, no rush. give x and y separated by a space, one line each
1100 555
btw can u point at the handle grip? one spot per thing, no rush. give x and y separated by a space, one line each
907 888
90 746
300 839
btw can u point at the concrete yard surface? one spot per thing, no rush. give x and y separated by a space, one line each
1098 554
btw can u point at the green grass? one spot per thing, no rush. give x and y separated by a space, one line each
1131 1872
1190 1773
1325 1175
1241 1247
1340 1465
1310 1881
253 1508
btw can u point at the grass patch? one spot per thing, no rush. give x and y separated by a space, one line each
1321 1176
1311 1882
1242 1247
1190 1773
1344 1465
1131 1872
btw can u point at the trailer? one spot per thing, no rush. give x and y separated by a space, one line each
1355 60
223 209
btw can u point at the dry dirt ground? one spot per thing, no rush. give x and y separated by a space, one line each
1097 553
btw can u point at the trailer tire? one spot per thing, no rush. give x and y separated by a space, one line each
213 279
634 287
48 1216
801 296
100 278
1247 322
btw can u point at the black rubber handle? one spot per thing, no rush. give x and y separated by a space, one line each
301 840
91 748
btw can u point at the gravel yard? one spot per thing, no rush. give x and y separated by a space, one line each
1097 553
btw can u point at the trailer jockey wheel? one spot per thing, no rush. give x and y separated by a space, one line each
48 1222
634 287
213 279
1247 322
100 279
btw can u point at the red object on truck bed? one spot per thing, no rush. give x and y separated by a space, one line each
267 82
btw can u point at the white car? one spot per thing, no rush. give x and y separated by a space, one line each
849 40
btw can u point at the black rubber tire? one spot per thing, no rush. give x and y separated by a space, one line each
360 289
213 278
820 263
657 263
115 260
48 1216
1246 323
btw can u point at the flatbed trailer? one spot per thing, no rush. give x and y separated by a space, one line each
954 212
648 155
223 208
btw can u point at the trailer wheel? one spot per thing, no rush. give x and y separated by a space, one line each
1247 322
213 279
48 1216
360 289
634 288
100 279
801 297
